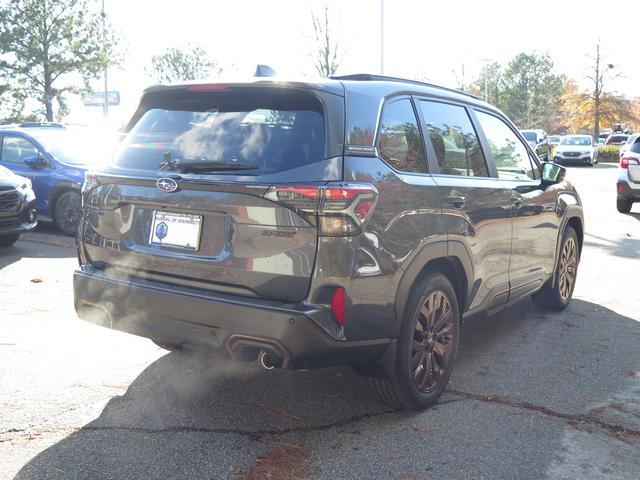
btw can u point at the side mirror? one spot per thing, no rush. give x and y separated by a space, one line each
552 173
36 162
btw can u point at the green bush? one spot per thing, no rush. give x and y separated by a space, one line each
609 153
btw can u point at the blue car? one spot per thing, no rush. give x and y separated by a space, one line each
55 159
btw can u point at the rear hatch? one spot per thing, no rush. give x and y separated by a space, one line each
210 189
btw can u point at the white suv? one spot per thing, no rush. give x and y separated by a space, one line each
628 185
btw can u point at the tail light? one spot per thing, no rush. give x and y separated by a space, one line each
90 181
608 142
337 209
626 161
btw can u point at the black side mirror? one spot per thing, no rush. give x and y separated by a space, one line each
36 162
552 173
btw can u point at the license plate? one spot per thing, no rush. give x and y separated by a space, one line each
181 230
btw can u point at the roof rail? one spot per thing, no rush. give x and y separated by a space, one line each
41 125
383 78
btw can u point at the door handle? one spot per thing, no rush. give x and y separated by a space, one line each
517 200
456 200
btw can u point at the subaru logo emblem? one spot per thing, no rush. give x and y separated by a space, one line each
167 184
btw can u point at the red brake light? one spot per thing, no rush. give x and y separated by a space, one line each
338 210
626 161
207 88
338 306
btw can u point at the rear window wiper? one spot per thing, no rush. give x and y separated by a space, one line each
211 166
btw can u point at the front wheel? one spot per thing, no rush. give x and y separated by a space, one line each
557 292
8 240
68 212
427 346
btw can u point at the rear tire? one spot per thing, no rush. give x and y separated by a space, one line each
557 292
68 211
8 240
624 205
427 346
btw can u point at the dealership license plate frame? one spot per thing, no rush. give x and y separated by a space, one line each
181 230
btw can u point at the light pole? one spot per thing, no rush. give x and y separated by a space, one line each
485 61
381 37
105 107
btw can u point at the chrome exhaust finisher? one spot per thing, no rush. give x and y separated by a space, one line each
269 361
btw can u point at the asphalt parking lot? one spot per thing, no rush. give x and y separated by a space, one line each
533 395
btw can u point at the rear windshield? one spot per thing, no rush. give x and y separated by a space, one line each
530 136
274 131
618 138
635 148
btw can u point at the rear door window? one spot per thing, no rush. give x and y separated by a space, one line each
275 131
399 142
509 153
454 139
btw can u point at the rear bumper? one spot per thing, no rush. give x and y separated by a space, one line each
626 191
233 326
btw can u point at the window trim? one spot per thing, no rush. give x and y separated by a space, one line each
535 164
432 158
376 142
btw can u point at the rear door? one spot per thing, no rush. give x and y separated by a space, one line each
476 207
238 229
535 222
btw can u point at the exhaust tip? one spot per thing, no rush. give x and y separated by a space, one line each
269 360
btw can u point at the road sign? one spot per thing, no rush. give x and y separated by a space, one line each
96 99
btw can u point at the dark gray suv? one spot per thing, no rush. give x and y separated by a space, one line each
352 221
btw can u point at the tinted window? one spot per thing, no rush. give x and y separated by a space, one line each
618 138
16 149
274 130
509 153
578 141
454 140
635 148
530 136
399 140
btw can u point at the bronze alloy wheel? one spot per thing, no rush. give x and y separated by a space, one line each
432 345
568 267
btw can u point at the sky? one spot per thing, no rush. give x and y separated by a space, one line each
428 40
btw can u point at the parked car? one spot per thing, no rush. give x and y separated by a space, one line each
575 149
300 224
616 139
627 145
554 140
17 207
55 159
628 186
537 138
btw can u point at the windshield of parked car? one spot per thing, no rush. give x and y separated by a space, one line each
270 131
554 139
530 136
78 146
618 138
576 141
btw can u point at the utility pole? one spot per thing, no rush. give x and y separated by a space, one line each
105 107
381 37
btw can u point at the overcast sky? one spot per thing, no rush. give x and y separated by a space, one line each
425 39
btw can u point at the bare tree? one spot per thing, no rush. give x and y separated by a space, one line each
600 75
326 51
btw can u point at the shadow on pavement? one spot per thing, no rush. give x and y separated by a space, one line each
623 247
187 416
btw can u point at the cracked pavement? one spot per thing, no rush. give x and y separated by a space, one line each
533 395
